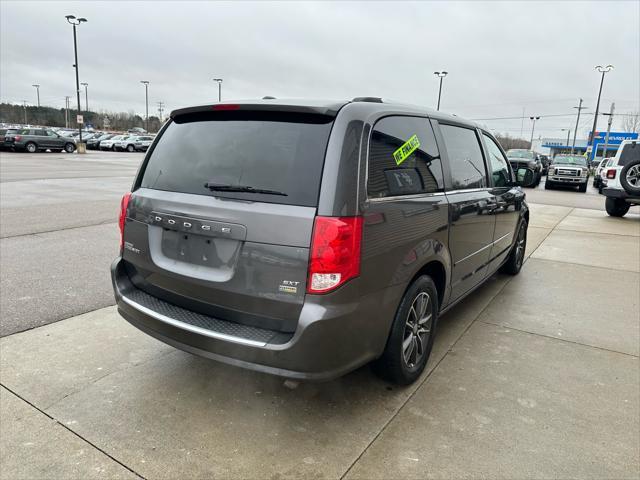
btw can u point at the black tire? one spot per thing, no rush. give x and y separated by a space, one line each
31 147
582 188
548 185
616 207
130 148
406 353
69 147
514 262
630 178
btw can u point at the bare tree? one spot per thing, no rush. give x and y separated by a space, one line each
631 122
509 142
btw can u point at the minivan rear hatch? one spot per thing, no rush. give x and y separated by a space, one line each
221 216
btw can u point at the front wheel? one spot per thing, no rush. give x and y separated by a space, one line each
548 185
69 147
616 207
411 339
514 262
130 148
582 188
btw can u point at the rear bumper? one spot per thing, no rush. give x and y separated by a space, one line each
334 336
621 195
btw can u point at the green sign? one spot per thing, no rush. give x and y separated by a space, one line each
406 149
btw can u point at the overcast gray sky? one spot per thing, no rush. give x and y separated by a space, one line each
501 56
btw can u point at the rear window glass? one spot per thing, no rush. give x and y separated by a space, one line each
278 152
630 152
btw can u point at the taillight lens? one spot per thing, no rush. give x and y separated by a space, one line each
335 252
17 138
124 204
611 173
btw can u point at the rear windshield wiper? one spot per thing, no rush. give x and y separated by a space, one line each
218 187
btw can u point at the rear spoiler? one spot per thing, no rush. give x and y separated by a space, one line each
326 110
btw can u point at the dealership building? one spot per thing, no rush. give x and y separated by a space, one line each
556 146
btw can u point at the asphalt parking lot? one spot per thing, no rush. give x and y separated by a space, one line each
534 376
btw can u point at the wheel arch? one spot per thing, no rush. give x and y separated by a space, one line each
436 270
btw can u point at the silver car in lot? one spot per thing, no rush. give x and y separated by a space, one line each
142 143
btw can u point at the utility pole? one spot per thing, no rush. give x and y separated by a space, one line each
606 138
522 123
146 100
38 92
580 108
568 130
86 95
219 80
24 105
160 110
533 127
66 111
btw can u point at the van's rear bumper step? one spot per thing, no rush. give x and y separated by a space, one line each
327 343
202 324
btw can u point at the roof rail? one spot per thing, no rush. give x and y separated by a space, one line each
368 99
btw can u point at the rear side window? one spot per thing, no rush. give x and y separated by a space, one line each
279 152
465 157
630 153
403 158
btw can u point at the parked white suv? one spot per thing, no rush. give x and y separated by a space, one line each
623 179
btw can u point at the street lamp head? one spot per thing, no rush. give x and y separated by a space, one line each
602 69
441 74
70 17
217 80
35 85
84 84
82 19
145 82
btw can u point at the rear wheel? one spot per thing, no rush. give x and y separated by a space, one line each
516 258
412 333
616 207
31 147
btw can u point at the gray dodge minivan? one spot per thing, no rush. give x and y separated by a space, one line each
305 238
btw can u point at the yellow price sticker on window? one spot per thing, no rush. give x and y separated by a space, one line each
406 149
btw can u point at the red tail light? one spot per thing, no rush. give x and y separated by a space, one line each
611 173
17 138
335 252
124 204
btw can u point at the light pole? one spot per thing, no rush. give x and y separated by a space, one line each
602 70
533 127
86 95
75 22
38 92
219 80
568 130
441 75
146 99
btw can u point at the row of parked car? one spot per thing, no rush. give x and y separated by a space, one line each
34 139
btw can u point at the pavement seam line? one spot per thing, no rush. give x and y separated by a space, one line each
583 264
596 233
574 342
427 376
106 222
73 432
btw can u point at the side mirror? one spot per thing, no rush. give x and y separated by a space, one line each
524 177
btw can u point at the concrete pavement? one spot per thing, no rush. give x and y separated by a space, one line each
535 376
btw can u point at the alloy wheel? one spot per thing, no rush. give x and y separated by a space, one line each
521 245
633 176
417 330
